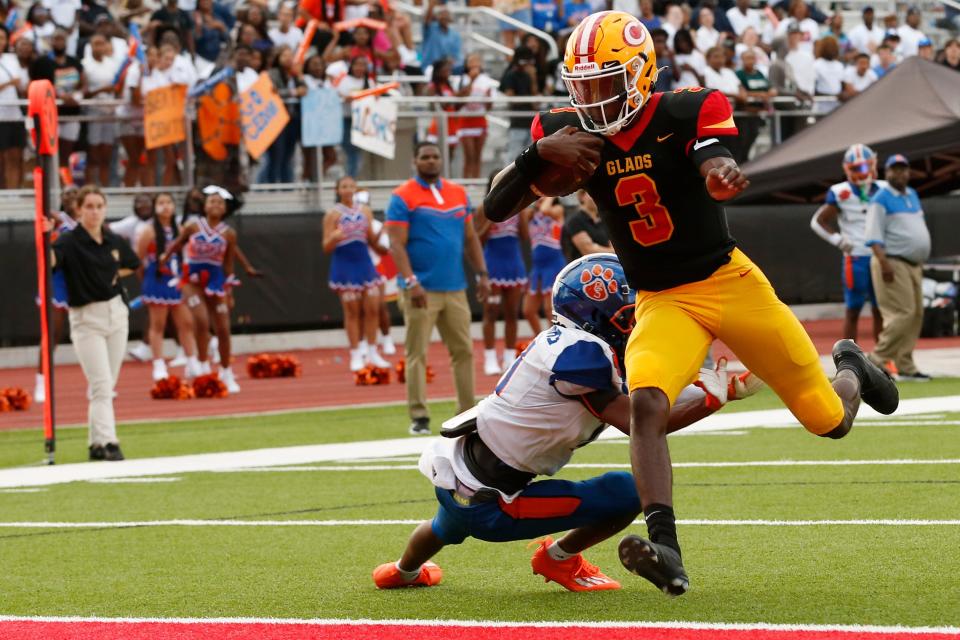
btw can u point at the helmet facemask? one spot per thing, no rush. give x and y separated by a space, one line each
861 174
607 100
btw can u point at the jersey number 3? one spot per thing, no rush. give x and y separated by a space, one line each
655 225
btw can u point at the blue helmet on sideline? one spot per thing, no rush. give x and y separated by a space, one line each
592 294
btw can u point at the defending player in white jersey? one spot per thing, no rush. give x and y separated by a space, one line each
841 221
557 396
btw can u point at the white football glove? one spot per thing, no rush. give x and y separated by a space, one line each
714 384
743 386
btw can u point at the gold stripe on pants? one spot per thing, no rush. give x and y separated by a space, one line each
449 312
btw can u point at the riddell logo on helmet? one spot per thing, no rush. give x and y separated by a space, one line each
583 67
598 283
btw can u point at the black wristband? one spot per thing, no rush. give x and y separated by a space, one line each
529 162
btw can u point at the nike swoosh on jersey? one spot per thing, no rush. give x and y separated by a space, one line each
662 138
746 271
699 144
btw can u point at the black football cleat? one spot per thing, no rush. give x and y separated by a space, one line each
877 387
657 563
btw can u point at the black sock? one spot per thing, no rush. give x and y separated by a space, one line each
662 525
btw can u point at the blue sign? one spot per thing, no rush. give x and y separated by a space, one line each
321 118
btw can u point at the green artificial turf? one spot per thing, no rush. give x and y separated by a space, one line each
865 574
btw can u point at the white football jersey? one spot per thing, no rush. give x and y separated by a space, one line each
852 204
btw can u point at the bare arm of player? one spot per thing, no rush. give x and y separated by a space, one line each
824 224
723 178
185 232
398 249
682 414
475 257
568 148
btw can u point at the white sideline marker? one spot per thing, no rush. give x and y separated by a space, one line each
384 523
308 454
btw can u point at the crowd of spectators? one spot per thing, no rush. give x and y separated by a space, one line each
117 51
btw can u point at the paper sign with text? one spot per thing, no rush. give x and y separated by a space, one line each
262 116
163 116
374 125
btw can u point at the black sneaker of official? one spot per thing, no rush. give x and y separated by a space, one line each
877 387
112 452
420 427
657 563
916 376
97 452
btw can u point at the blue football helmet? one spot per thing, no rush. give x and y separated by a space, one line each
592 294
860 165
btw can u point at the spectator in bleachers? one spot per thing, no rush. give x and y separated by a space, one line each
14 79
643 10
866 36
718 76
135 12
828 68
858 76
742 16
258 60
835 30
518 10
473 119
287 84
800 62
666 78
314 77
173 16
211 31
546 15
574 12
750 41
539 50
800 18
886 60
892 39
925 49
100 70
130 125
707 36
673 21
690 62
41 28
286 33
441 39
520 79
950 57
166 73
251 36
910 35
66 74
326 13
362 46
440 86
758 94
357 79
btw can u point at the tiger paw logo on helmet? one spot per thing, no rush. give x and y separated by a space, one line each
598 282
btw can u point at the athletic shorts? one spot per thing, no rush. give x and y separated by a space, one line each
736 304
13 135
544 507
857 283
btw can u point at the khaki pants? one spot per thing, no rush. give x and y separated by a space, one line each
99 334
901 305
450 313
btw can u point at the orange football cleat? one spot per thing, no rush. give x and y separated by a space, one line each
573 574
387 576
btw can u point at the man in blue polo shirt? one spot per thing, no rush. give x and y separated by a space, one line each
429 223
897 234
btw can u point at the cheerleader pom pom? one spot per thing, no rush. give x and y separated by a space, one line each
171 388
401 368
272 366
521 347
370 376
14 399
209 386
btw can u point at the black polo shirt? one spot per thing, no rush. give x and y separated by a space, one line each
91 269
581 221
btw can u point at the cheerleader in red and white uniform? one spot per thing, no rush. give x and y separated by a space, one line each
544 225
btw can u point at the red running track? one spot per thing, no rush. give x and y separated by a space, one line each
153 630
326 382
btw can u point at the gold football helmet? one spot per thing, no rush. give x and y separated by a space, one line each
609 68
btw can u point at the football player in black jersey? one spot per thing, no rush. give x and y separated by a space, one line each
658 166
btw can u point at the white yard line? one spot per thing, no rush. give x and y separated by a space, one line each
147 480
301 455
382 523
726 626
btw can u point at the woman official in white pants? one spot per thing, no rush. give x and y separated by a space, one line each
93 259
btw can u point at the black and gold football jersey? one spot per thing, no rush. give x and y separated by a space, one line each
664 226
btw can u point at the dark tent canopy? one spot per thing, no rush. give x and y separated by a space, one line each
913 110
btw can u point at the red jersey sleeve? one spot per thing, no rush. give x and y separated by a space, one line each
536 128
715 117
